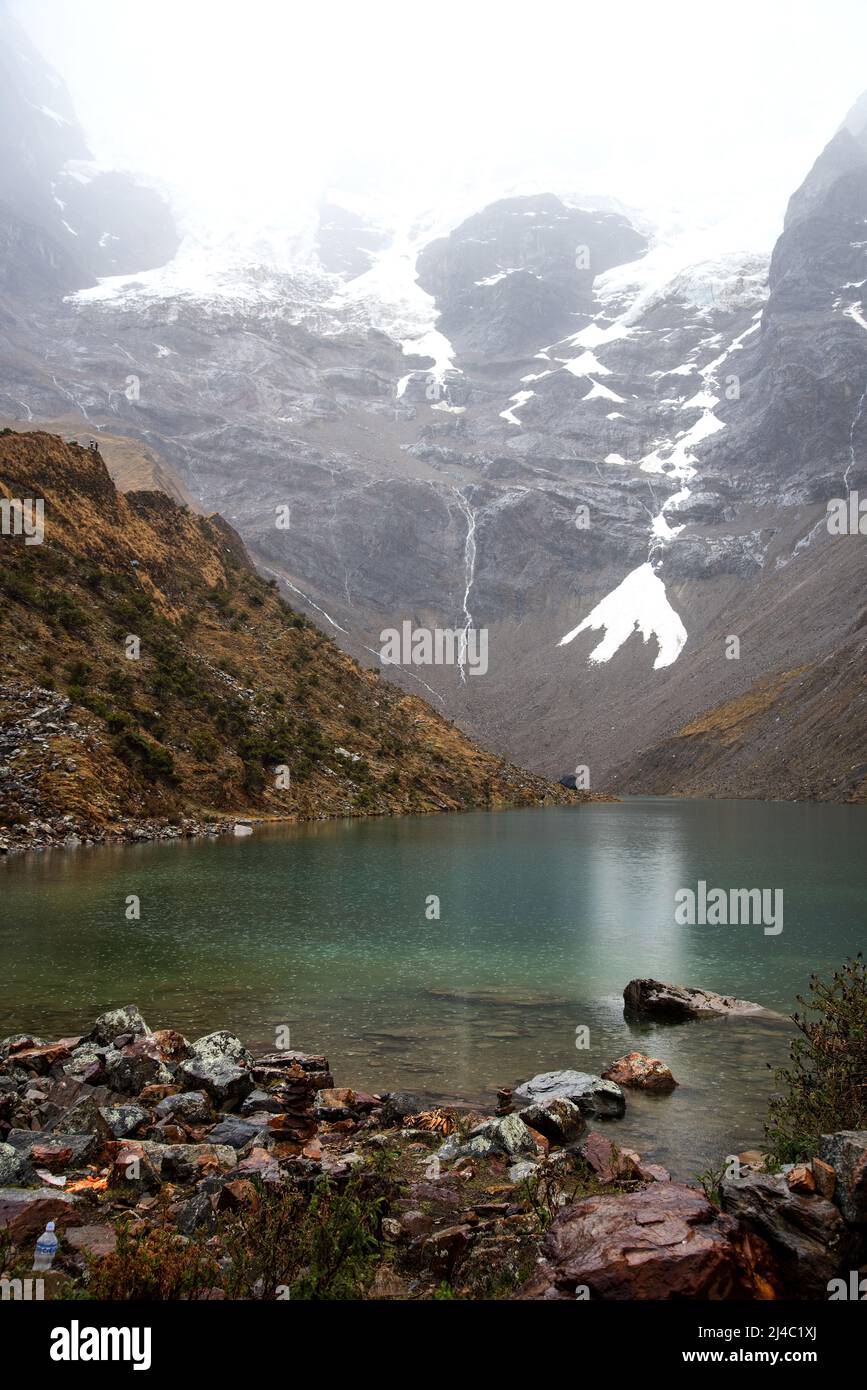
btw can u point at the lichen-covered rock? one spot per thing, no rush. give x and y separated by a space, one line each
124 1120
193 1107
221 1065
12 1166
639 1070
84 1117
506 1135
557 1118
115 1022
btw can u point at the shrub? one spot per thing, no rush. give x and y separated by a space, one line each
325 1246
825 1085
149 758
152 1266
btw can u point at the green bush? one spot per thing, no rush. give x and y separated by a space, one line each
825 1086
324 1246
150 759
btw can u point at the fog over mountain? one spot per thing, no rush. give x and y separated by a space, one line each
248 115
551 329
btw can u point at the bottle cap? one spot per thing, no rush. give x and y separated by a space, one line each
49 1226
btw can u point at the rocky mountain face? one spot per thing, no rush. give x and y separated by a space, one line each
150 673
540 425
63 221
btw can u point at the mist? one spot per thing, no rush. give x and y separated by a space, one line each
248 115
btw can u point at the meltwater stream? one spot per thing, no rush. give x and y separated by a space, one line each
544 917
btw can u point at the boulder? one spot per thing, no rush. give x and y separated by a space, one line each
807 1234
589 1093
801 1179
443 1251
40 1057
221 1065
261 1102
521 1172
54 1151
124 1120
192 1107
397 1106
95 1240
825 1178
646 1073
137 1064
84 1117
675 1003
664 1242
233 1131
342 1103
846 1153
116 1022
25 1210
13 1167
557 1118
505 1135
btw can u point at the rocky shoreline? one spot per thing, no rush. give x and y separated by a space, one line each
150 1151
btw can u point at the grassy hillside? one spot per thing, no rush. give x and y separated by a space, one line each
231 683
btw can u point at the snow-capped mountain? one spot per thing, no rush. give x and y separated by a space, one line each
608 443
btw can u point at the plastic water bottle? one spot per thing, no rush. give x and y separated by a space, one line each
46 1248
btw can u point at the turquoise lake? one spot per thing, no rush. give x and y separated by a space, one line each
544 917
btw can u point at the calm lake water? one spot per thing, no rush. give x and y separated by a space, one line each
544 917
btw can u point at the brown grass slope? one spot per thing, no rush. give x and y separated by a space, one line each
231 682
798 735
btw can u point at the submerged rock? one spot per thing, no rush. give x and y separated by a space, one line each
655 999
591 1094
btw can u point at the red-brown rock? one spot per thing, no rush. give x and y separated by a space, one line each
663 1242
646 1073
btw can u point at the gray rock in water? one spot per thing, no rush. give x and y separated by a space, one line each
846 1152
589 1093
655 999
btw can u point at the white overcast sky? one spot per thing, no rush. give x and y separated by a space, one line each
716 110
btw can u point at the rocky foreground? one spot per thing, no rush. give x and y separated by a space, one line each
180 1170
